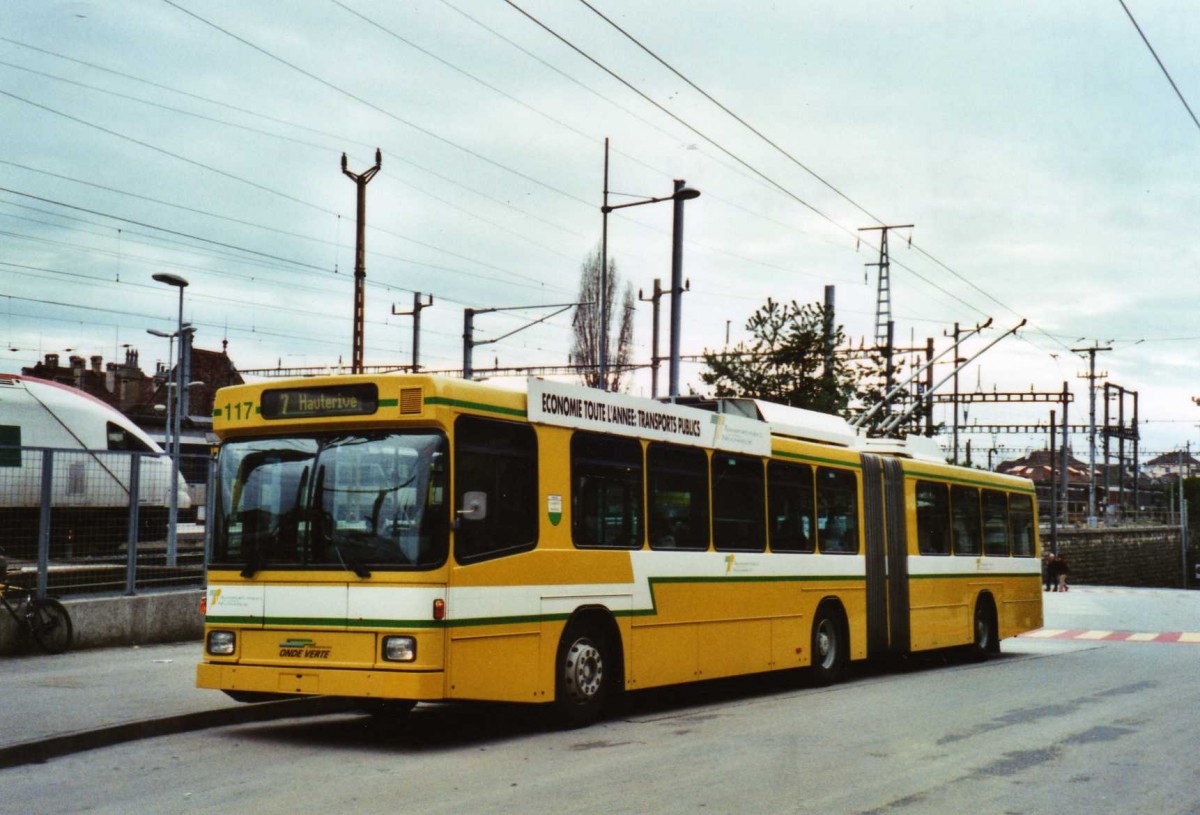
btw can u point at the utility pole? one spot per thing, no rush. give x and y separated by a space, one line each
928 386
883 303
1053 488
827 337
1183 517
418 305
957 361
655 360
1066 456
360 262
469 341
1137 494
883 289
1091 376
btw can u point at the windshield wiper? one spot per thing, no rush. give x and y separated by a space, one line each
349 564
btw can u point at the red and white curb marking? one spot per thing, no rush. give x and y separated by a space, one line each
1185 637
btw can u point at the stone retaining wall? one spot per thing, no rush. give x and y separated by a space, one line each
1124 556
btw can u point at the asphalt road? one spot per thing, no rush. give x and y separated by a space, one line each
1052 726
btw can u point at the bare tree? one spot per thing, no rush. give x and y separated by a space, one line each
587 331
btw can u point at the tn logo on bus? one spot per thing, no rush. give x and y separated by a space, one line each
304 649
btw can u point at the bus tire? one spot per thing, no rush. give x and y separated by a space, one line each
583 675
830 645
985 640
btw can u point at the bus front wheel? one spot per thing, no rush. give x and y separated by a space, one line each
582 676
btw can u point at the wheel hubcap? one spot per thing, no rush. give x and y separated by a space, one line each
826 644
584 672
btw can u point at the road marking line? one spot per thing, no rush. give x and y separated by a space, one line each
1095 635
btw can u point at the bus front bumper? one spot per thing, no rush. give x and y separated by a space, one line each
308 681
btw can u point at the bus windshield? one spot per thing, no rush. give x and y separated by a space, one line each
353 501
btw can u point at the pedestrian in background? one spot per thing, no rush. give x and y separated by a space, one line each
1049 576
1061 570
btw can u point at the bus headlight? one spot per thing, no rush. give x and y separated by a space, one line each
399 649
221 643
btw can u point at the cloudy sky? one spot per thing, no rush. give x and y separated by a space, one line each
1051 172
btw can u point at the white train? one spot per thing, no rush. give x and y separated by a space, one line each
93 446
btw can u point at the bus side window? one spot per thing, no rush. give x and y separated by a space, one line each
606 491
738 511
995 523
678 496
1020 519
791 506
933 518
500 459
837 516
964 507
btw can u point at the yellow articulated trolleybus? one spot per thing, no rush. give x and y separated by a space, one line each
396 539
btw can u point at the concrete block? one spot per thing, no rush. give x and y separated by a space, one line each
110 621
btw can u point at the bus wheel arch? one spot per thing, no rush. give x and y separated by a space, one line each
985 628
830 642
589 670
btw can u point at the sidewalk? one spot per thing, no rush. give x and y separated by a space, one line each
55 705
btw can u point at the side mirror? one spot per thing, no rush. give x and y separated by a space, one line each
474 506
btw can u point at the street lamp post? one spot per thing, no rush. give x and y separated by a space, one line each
170 338
173 498
682 193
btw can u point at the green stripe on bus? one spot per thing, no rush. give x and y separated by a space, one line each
853 465
461 403
389 403
988 576
970 482
517 619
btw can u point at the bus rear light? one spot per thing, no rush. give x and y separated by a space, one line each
221 643
439 609
399 649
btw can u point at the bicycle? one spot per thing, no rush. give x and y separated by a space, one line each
43 618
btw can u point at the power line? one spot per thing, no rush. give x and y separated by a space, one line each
719 146
177 156
1154 53
742 121
258 114
788 155
375 107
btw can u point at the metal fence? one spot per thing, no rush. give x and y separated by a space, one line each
78 522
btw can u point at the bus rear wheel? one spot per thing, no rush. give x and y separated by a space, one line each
829 646
986 640
583 675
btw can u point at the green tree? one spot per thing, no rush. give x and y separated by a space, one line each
787 361
586 331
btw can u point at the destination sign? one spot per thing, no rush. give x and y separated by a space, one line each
334 400
557 403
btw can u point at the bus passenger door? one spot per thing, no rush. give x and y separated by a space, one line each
886 556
